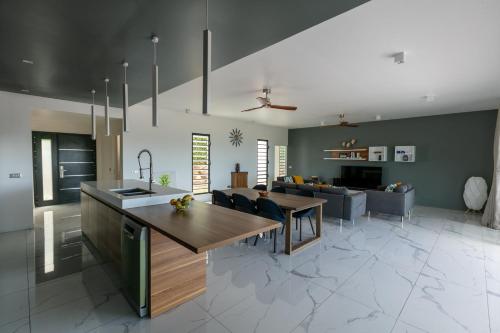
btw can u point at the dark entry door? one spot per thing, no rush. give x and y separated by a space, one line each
60 162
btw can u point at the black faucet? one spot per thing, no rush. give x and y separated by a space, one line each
150 166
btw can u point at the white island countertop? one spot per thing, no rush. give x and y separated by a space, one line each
104 190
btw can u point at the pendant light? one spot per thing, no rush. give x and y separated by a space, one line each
155 41
125 97
106 109
207 64
92 114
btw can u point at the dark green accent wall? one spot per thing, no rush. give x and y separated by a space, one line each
449 150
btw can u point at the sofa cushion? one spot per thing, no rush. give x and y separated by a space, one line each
401 189
342 190
288 179
308 187
280 179
290 185
298 179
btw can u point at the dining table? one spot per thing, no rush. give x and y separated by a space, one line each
290 204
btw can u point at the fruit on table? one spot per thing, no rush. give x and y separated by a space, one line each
182 203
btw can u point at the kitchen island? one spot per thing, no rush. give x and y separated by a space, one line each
175 243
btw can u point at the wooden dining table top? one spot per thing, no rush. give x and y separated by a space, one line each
285 201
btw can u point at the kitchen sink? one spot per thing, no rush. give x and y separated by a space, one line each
129 192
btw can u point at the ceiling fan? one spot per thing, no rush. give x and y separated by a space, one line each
343 122
266 103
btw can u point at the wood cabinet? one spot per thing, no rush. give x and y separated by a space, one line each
239 179
101 225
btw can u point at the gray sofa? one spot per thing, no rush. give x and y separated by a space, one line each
341 203
399 202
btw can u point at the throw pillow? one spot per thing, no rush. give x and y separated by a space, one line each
288 179
401 189
391 187
298 179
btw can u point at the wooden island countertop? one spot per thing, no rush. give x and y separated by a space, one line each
203 226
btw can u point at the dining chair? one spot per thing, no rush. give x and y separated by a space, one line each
221 199
304 213
260 187
278 190
243 204
270 209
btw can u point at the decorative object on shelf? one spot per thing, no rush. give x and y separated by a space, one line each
349 143
237 167
164 180
236 137
377 154
404 154
264 194
475 194
182 204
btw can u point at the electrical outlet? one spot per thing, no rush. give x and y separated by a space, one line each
15 175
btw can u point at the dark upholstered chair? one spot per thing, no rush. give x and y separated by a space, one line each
270 210
260 187
304 213
221 199
243 204
399 202
278 190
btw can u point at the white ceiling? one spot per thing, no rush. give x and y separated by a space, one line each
344 65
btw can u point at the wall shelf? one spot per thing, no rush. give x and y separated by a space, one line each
404 154
377 154
353 154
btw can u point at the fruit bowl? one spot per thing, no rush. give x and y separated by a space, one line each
182 204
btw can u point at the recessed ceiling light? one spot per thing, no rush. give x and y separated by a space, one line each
378 117
29 62
400 57
25 91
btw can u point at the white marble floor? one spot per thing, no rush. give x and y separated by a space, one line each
439 272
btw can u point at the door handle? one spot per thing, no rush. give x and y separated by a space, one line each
61 171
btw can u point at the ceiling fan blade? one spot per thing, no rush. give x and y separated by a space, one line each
283 107
252 109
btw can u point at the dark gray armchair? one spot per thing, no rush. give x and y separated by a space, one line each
396 203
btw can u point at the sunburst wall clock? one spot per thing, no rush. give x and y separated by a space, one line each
236 137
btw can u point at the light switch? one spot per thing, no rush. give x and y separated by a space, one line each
15 175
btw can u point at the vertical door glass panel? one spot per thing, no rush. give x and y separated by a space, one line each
47 184
262 162
201 163
48 241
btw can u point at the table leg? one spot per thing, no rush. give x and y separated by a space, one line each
288 232
319 220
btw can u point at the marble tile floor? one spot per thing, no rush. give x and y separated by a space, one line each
439 272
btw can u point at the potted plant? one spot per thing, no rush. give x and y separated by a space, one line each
164 180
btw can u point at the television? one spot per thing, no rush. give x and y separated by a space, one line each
361 177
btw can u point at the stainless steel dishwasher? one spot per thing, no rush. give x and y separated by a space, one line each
135 264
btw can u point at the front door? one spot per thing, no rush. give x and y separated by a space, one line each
60 162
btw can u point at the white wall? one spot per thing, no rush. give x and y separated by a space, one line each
170 145
16 195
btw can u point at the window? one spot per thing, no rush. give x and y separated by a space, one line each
262 161
201 163
280 161
47 189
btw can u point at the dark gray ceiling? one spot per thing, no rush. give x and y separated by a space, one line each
75 44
